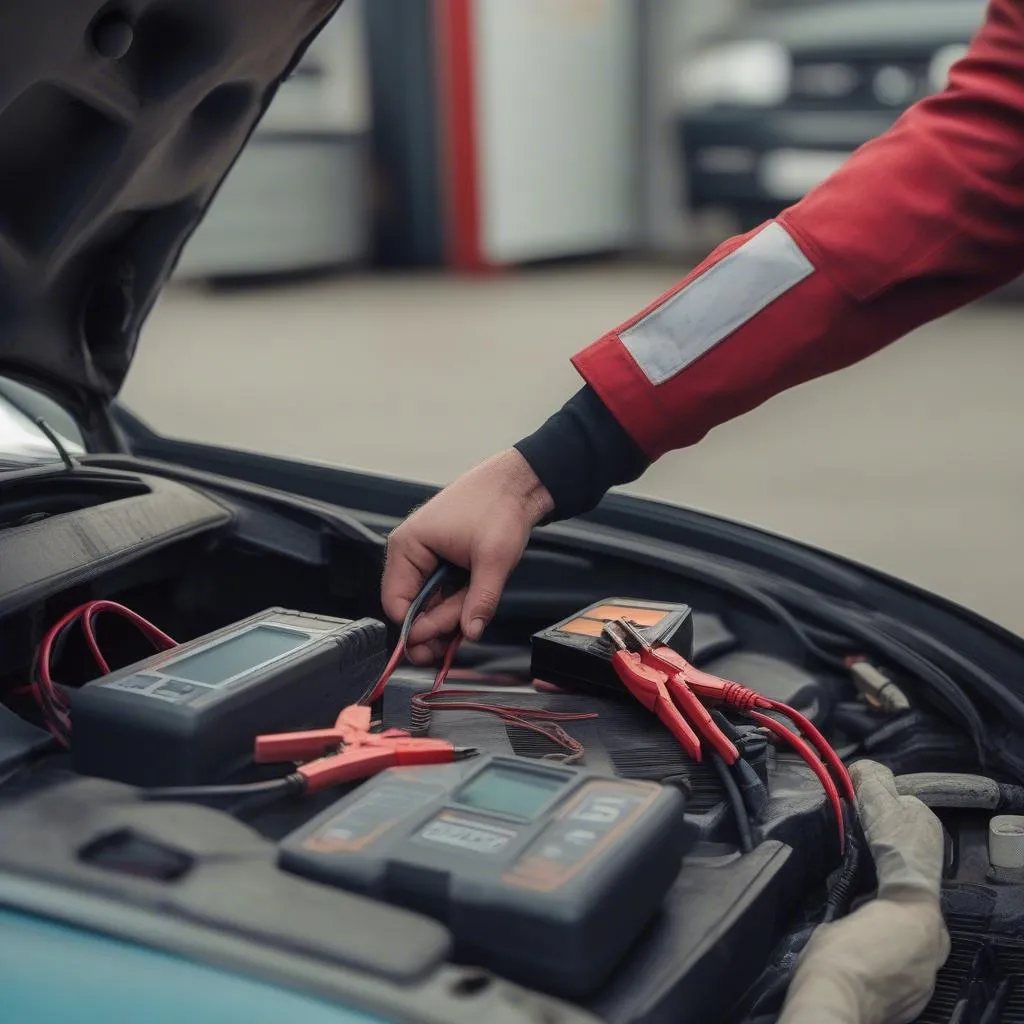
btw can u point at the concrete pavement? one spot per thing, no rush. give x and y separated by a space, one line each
910 461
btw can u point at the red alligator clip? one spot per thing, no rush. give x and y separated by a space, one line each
350 751
689 685
662 688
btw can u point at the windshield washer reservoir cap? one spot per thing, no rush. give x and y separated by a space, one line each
1006 841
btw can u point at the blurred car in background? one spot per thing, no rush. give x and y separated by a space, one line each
772 106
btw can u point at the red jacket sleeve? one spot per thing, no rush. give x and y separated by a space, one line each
918 222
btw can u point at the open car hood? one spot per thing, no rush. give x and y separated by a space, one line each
117 126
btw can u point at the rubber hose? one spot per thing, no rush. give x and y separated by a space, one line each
967 792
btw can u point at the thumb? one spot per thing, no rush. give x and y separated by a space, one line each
489 573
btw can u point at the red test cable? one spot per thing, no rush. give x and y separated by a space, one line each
822 745
539 721
52 703
753 704
813 762
157 637
743 698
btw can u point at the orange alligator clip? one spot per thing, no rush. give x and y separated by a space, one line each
349 750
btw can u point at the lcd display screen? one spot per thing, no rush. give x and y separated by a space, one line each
503 790
235 654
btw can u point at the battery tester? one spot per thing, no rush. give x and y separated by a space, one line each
544 872
188 715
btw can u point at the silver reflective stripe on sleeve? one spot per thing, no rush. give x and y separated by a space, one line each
710 308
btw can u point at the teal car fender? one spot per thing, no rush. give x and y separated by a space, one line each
52 972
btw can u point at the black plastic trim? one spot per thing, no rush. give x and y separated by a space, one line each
43 558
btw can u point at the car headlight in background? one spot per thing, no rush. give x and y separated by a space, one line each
941 63
755 74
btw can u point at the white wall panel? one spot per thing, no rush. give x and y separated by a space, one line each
556 94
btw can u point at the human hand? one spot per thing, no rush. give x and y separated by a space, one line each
878 965
482 523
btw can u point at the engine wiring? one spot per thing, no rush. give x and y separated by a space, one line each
543 723
735 799
818 621
423 706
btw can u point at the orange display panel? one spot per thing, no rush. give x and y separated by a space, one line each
584 627
639 616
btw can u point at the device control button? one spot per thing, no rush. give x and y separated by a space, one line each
174 691
602 807
581 837
139 682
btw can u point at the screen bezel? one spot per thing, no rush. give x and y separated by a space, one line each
563 778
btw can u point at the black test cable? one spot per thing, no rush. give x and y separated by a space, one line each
444 576
735 798
271 787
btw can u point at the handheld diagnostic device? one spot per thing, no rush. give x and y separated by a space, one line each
189 716
544 872
574 654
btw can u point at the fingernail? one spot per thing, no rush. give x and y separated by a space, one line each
419 656
476 629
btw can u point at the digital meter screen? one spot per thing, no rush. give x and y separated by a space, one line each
501 790
235 655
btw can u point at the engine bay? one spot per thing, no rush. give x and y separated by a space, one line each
642 885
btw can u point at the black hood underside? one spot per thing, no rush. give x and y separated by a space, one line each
118 122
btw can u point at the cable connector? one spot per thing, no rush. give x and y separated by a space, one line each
725 691
876 687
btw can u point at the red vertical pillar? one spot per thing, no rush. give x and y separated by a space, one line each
461 158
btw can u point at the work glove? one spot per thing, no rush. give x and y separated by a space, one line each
878 965
482 523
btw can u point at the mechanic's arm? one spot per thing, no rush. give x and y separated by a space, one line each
917 223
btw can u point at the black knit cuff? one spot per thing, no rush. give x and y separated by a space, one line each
581 452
